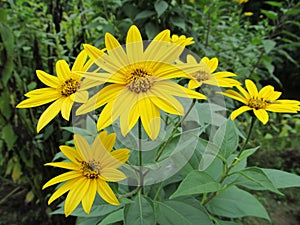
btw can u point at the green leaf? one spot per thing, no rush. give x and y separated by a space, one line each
270 14
236 203
282 179
186 211
160 7
255 178
98 209
246 153
196 182
221 222
87 221
268 45
178 22
151 30
144 15
9 136
277 4
226 138
113 217
140 212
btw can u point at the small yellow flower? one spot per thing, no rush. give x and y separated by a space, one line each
248 13
241 1
182 40
205 74
139 81
261 102
64 89
91 169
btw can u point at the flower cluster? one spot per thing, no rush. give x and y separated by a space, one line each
139 82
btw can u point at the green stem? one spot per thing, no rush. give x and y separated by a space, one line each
234 162
140 154
162 148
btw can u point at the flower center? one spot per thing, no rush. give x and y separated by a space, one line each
202 75
139 80
257 103
69 87
91 169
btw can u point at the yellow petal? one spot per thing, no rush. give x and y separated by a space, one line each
167 102
239 111
49 114
116 158
105 118
265 92
88 199
80 61
93 52
244 92
106 94
262 115
129 118
48 79
76 194
251 87
83 147
62 70
112 175
106 193
61 190
108 141
42 91
37 100
122 155
80 96
234 95
150 117
194 84
224 74
213 64
282 108
63 177
64 165
134 45
66 108
274 96
191 59
89 83
71 153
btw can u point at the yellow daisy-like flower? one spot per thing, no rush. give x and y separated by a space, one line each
64 90
241 1
139 80
206 75
182 40
91 169
248 13
261 101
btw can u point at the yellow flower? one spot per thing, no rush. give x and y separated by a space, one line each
182 40
206 75
140 82
91 169
248 13
241 1
64 90
261 102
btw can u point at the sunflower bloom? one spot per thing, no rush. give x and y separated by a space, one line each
90 170
206 75
261 101
64 89
139 82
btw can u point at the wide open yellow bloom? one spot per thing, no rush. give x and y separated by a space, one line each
91 169
64 89
206 75
139 80
261 101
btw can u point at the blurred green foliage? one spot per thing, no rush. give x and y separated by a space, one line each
35 34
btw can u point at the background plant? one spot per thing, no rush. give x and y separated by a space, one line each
34 34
